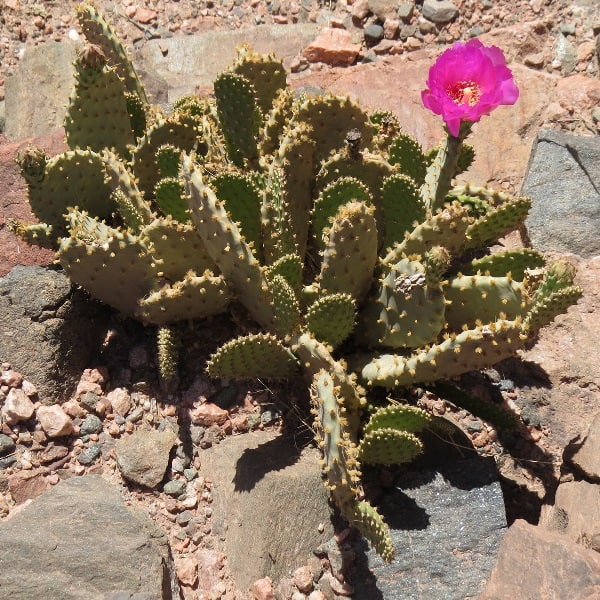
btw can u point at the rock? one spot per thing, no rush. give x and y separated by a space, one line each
536 563
23 486
17 407
176 487
565 54
145 15
188 63
439 11
34 114
587 457
89 455
263 589
120 401
303 579
86 543
210 564
7 445
333 47
91 424
187 570
446 525
143 456
373 34
208 414
39 310
576 512
268 504
406 10
13 379
55 421
563 180
383 9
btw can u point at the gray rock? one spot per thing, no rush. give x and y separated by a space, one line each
439 11
85 544
186 63
373 34
49 68
446 525
268 503
383 9
566 54
91 424
89 455
143 456
7 445
38 310
563 180
406 10
176 487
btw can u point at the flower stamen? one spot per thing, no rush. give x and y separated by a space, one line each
464 92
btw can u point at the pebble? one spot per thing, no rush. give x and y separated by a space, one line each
120 401
175 487
91 424
190 474
7 444
17 407
303 579
373 34
89 455
183 518
55 421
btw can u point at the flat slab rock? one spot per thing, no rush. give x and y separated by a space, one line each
447 525
79 541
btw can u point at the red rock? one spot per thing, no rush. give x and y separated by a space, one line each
263 589
334 47
209 414
15 205
209 567
536 563
91 381
360 9
11 378
587 457
53 453
25 485
584 92
303 579
55 421
120 401
145 15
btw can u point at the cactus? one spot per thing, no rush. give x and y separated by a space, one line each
360 262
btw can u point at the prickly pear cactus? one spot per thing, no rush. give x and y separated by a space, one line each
360 261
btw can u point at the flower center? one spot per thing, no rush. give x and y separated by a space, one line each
464 92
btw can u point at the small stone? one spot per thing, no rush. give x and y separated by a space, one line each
190 501
587 457
183 518
7 445
439 11
89 455
55 421
373 34
120 401
53 453
303 579
208 414
190 474
89 400
29 388
135 415
263 589
535 60
175 487
12 379
91 424
360 9
405 10
25 485
333 47
585 51
4 507
74 409
17 407
187 570
391 28
316 595
145 15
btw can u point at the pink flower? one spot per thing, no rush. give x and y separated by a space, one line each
467 81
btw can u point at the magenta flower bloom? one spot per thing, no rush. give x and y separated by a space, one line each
467 81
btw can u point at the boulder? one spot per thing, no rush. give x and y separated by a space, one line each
48 331
269 504
79 541
563 180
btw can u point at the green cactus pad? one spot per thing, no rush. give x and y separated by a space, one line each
75 178
136 108
98 115
168 158
399 416
483 299
227 248
289 267
407 153
370 523
402 208
553 296
330 200
276 121
99 32
193 297
386 127
243 199
388 447
177 130
331 318
113 266
169 195
516 262
498 221
285 306
477 348
266 74
350 256
406 312
248 357
176 248
239 115
38 234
